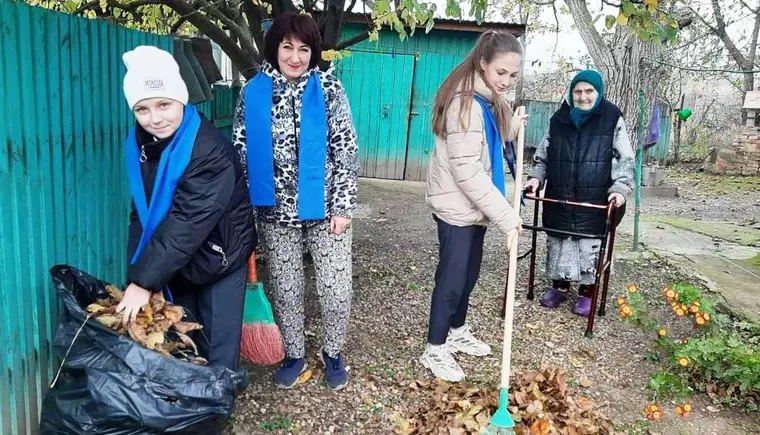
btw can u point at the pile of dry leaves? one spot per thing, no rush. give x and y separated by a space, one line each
539 402
158 326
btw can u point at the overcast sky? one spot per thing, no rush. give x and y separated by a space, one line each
546 48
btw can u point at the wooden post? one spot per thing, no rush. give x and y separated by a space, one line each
639 156
678 134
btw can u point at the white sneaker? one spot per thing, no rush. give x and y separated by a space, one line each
439 360
462 340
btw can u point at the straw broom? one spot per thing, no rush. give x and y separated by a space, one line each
261 341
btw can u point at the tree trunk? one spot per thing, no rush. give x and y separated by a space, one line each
749 82
333 20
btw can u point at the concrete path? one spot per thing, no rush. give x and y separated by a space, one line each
726 256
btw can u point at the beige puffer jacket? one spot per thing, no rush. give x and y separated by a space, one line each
459 187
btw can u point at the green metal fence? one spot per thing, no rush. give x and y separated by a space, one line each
538 123
63 194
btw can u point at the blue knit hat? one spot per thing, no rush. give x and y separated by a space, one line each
593 78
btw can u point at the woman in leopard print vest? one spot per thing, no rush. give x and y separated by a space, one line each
300 153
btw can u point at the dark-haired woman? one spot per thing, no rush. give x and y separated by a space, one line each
297 141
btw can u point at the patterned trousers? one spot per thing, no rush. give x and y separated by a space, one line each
283 250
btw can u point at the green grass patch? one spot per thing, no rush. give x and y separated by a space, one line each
277 423
755 261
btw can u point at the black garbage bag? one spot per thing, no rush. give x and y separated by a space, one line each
110 385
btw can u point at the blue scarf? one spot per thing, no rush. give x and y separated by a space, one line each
174 161
493 138
312 146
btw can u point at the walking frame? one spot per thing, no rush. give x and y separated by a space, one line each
604 262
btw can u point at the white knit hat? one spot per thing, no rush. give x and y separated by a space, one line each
152 73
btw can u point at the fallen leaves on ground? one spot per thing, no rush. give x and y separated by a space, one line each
158 326
304 377
539 401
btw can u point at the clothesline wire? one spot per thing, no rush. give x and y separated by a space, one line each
726 70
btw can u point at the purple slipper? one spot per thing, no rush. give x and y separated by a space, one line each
582 306
553 298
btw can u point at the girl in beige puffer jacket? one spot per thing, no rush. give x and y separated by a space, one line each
465 189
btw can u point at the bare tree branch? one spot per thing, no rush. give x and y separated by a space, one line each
556 20
746 5
753 42
323 17
359 37
745 62
351 6
244 37
310 6
131 6
245 61
254 15
720 30
176 26
542 3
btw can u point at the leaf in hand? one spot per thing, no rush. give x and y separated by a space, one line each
157 301
110 320
185 327
174 313
115 293
187 341
138 332
148 311
154 339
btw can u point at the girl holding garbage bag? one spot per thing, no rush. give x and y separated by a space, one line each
296 138
466 187
585 157
191 229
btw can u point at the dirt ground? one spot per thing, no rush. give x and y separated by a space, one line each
394 262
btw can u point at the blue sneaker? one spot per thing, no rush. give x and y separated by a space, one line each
335 372
287 375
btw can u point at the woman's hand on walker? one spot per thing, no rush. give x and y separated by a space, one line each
531 186
619 199
339 224
135 297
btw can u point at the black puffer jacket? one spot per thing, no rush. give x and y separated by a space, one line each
579 167
209 231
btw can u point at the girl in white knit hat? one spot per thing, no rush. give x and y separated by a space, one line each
191 229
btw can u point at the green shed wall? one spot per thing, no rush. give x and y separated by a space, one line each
394 130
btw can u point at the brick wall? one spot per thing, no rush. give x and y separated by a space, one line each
742 158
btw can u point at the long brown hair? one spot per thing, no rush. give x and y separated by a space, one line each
462 80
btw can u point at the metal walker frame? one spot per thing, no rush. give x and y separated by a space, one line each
604 261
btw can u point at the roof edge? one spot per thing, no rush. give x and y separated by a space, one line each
453 24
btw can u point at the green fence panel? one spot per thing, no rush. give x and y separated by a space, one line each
63 192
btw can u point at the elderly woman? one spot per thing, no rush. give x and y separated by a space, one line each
296 138
586 156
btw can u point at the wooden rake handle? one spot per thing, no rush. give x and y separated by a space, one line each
252 268
512 271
